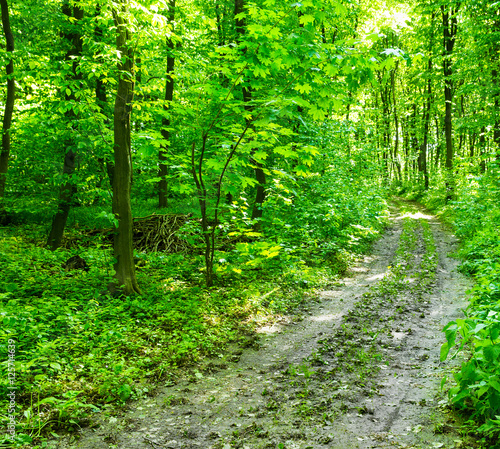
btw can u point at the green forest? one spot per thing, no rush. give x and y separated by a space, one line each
176 174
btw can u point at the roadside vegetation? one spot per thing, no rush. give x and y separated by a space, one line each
474 214
81 350
174 174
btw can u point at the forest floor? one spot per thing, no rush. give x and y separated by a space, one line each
361 370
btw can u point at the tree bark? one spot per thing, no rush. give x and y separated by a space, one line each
165 125
260 175
102 101
220 29
496 83
426 119
9 102
482 149
68 189
386 125
122 179
472 142
437 159
449 33
496 128
396 124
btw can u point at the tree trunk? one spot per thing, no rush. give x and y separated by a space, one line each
482 150
220 30
472 142
102 101
122 179
450 32
260 175
396 125
426 120
386 123
496 83
64 205
437 160
415 145
68 189
406 129
165 128
9 102
496 128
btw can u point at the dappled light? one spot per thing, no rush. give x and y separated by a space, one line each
415 216
249 224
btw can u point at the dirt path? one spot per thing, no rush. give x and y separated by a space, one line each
361 371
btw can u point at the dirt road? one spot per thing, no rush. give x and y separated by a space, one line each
361 371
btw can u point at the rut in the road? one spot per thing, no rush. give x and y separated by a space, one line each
361 372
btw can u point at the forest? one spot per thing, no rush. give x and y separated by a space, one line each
177 174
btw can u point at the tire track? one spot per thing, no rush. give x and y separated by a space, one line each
361 371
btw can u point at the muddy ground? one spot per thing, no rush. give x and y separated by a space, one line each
361 370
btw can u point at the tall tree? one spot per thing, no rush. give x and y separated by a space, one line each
166 121
260 176
101 95
67 189
450 27
495 74
122 177
397 163
9 102
424 149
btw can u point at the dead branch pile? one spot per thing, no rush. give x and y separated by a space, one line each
159 233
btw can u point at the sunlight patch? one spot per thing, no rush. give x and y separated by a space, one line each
416 216
330 317
375 277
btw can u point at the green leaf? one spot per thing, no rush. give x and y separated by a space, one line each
50 400
303 88
56 366
260 155
492 353
495 384
445 349
306 18
124 392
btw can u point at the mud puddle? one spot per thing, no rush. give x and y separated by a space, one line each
361 370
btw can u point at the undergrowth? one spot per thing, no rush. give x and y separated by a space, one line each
79 351
475 217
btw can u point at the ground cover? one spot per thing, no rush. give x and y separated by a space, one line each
361 370
82 350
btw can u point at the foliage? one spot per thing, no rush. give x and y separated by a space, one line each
308 112
79 348
477 387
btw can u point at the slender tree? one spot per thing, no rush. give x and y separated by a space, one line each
424 149
122 177
166 122
260 176
397 163
450 27
101 96
9 102
495 75
422 157
68 189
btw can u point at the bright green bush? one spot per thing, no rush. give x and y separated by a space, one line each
476 217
